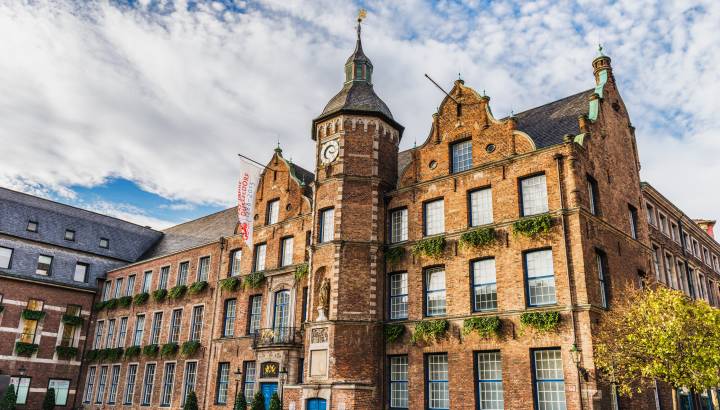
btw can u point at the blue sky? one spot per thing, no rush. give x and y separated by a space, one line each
138 108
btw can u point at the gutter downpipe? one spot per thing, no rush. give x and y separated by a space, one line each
568 260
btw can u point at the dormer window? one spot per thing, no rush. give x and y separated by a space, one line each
32 226
105 243
69 235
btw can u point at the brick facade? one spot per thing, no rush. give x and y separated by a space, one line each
311 322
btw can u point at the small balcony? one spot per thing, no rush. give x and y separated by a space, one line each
278 337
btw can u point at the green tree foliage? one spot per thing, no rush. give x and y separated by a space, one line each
9 399
240 402
275 402
49 400
258 402
659 334
191 402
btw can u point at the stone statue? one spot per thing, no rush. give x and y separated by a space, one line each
324 299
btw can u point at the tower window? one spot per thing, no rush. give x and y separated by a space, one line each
461 156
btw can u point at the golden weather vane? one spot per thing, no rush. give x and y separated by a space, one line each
362 13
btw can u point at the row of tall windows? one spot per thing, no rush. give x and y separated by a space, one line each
113 338
116 288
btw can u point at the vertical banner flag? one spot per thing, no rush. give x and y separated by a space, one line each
249 175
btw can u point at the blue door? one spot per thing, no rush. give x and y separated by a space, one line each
316 404
267 390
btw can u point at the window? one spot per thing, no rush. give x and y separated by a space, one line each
156 326
5 257
592 187
130 286
663 222
398 296
286 246
716 263
327 225
273 211
118 287
696 248
147 280
29 327
688 242
32 226
168 380
490 387
182 273
89 384
22 386
114 380
229 318
301 370
438 394
435 291
533 195
130 383
44 264
148 384
706 256
461 156
101 385
68 331
235 262
481 211
255 314
139 328
164 273
61 388
99 328
104 243
632 214
650 214
674 232
221 390
434 217
189 380
123 332
601 262
203 269
259 263
399 396
304 303
249 379
540 277
196 323
110 338
484 285
398 225
175 321
69 235
549 379
656 262
106 290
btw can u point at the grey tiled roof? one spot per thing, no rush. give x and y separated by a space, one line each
195 233
356 96
127 240
547 124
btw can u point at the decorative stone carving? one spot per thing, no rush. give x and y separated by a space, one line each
319 335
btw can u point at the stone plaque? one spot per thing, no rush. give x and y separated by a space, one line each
269 370
318 363
319 335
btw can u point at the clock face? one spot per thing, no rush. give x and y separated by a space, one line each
329 152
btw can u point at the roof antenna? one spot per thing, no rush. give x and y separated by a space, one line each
441 89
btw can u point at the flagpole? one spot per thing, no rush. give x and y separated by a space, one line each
257 164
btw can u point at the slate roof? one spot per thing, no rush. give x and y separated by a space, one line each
547 124
127 240
194 233
356 96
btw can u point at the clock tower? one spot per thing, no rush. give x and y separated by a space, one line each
357 146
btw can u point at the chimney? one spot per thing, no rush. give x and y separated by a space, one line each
707 226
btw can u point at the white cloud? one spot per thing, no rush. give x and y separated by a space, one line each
167 99
126 212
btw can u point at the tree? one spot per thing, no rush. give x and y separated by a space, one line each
275 402
258 402
659 334
9 399
49 400
240 402
191 402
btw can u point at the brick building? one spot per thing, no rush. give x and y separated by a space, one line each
366 281
51 257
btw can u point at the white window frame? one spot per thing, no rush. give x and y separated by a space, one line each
481 207
533 195
434 217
